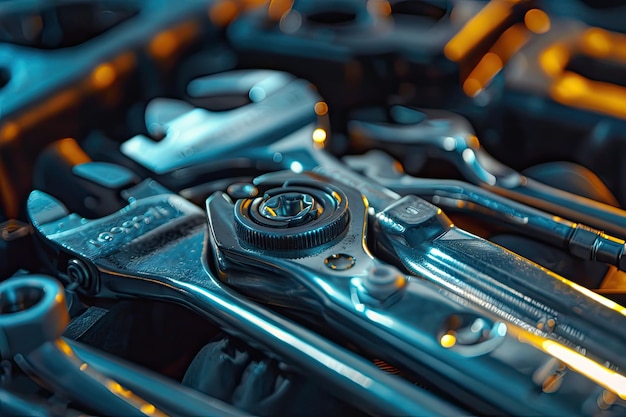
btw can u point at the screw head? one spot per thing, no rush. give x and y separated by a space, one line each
293 207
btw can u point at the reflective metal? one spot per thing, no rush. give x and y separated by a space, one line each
158 250
459 319
459 196
449 136
32 318
194 141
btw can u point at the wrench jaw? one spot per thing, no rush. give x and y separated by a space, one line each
405 132
191 145
90 255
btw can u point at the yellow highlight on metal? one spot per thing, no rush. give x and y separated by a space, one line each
596 297
148 409
596 372
489 17
9 132
448 340
493 61
223 12
537 21
575 90
319 136
278 8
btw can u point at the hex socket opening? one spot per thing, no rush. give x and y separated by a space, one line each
16 299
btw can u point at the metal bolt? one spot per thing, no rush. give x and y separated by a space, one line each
383 280
296 208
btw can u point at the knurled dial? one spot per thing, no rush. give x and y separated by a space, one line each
292 217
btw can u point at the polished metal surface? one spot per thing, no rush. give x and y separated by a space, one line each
443 134
134 261
407 319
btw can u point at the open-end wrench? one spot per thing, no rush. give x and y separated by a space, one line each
458 196
407 132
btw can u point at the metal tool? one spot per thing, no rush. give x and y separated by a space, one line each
407 132
57 73
304 150
156 248
302 245
458 196
32 318
191 145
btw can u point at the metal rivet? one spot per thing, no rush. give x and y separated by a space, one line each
78 272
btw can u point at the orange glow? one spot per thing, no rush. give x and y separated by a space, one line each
379 7
487 20
577 91
72 152
596 42
480 76
64 347
510 42
278 8
8 199
223 12
321 108
537 21
60 101
9 132
163 45
554 59
124 62
619 50
596 372
166 43
250 4
103 76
